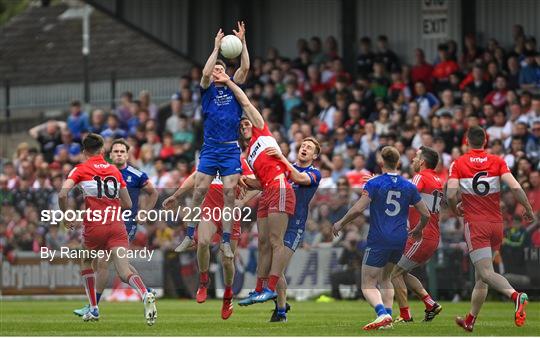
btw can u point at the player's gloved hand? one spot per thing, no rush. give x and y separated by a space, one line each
220 77
241 32
169 203
217 40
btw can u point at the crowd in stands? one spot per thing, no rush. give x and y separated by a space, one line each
352 112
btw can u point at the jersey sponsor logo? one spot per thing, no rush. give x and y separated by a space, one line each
101 165
478 160
261 144
128 179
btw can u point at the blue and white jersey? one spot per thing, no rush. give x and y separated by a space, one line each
304 195
391 195
221 114
135 181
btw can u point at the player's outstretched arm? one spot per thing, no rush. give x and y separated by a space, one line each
211 62
353 213
186 187
296 176
252 113
519 195
241 73
452 187
422 208
125 200
153 195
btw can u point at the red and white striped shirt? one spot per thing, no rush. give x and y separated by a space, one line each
100 183
479 175
429 186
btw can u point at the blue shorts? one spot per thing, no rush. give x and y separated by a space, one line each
294 235
221 157
131 229
378 257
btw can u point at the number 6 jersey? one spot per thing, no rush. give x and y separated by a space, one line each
429 186
479 175
100 183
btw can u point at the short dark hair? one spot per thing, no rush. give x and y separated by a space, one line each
122 142
75 103
430 156
93 143
476 137
390 157
127 94
221 63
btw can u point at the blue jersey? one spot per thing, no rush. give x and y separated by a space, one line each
391 195
304 194
221 114
135 181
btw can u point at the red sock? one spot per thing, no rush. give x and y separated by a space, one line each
136 282
470 319
428 302
89 281
514 295
228 294
203 277
405 313
272 282
260 283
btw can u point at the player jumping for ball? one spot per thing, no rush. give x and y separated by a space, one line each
277 201
419 252
220 151
388 197
305 179
478 176
136 181
103 188
211 224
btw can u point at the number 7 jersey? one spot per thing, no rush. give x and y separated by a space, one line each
479 175
429 186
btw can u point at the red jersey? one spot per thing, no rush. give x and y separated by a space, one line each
265 167
479 175
429 186
100 183
215 193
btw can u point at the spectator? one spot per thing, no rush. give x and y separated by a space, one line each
422 71
497 97
446 66
146 103
124 110
77 121
97 122
113 131
366 57
529 74
72 148
48 135
326 116
427 102
478 85
385 55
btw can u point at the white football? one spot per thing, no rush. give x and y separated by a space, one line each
231 46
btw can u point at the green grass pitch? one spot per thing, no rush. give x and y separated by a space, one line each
187 318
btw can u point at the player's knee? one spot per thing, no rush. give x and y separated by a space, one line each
102 265
275 241
203 243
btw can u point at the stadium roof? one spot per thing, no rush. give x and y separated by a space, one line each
37 47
